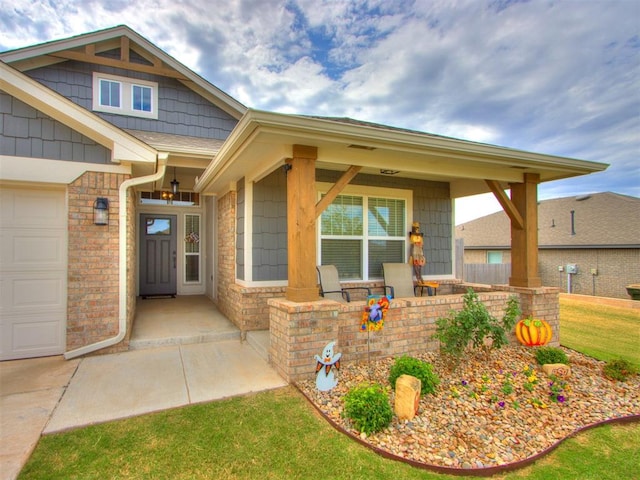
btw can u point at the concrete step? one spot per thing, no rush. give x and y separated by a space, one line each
259 340
208 337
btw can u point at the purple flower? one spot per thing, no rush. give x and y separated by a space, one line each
464 383
560 398
502 404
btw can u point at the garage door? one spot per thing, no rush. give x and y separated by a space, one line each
33 272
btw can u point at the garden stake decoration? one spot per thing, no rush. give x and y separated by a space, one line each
533 333
327 367
375 312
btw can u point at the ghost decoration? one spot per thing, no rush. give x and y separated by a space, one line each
327 367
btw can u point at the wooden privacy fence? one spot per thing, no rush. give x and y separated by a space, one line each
487 273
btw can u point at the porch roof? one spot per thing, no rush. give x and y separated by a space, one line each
262 141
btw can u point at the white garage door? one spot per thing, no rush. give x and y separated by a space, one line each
33 272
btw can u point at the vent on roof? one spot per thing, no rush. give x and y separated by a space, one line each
580 198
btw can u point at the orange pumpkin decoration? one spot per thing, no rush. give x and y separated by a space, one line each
533 332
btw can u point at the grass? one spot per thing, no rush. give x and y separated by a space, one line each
277 435
600 331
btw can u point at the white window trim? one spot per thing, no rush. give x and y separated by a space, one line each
126 96
367 191
191 254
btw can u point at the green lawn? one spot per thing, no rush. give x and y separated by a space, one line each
601 331
277 435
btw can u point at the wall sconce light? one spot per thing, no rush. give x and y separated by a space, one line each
101 211
175 184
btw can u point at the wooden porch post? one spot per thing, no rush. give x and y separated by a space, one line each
524 241
301 225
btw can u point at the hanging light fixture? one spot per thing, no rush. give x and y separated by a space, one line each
175 184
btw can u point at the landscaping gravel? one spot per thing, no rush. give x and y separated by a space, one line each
488 412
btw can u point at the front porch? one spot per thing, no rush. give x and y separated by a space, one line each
300 330
184 320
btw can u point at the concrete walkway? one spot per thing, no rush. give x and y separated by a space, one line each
51 395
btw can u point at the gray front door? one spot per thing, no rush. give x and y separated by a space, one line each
158 255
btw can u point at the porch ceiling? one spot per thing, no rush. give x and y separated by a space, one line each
262 141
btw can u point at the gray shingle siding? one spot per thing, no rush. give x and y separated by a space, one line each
432 208
270 228
240 214
27 132
181 111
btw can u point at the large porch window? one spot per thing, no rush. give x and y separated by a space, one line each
358 243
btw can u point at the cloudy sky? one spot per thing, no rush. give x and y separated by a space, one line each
559 77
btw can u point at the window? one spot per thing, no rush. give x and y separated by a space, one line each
110 93
141 98
125 96
494 257
192 248
359 244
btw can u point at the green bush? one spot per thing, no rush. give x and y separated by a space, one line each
368 408
423 371
545 355
472 325
619 369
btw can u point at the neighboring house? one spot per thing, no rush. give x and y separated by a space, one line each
108 115
596 236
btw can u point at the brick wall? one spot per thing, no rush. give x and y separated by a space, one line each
298 331
226 252
615 269
93 282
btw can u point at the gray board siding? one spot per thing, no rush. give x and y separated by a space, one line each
431 208
270 227
27 132
240 214
181 111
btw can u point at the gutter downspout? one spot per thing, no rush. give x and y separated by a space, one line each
122 274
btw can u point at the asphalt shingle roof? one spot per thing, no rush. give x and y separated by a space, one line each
606 220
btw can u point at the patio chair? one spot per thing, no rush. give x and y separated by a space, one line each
398 279
330 284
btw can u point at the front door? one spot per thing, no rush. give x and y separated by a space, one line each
158 255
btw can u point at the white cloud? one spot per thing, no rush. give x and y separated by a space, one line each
551 77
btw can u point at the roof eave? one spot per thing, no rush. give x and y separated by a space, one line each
313 129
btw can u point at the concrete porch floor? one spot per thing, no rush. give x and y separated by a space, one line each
184 320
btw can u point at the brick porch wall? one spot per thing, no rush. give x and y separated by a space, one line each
298 331
226 250
93 285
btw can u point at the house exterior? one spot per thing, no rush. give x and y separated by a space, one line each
262 198
596 234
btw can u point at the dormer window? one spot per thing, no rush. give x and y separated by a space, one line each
125 96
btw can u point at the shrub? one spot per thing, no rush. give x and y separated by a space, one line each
473 324
619 369
368 408
546 355
415 367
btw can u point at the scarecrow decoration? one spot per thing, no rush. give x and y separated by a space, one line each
417 260
326 368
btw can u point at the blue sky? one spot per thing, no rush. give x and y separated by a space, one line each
556 77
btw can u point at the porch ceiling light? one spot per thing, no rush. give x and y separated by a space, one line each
101 211
388 172
175 184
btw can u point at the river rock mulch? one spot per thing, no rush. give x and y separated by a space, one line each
490 411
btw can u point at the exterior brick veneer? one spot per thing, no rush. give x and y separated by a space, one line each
93 256
298 331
